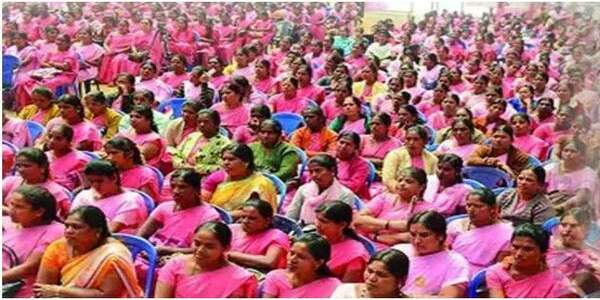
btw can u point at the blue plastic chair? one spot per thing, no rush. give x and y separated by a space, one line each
372 173
9 255
69 194
35 130
359 204
455 217
368 245
9 64
366 109
148 201
303 160
488 176
12 146
477 284
92 155
225 216
533 161
280 186
64 89
550 224
159 176
289 121
223 131
498 191
176 105
473 183
431 147
430 134
286 225
136 244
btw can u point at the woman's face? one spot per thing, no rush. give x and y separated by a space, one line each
449 105
527 183
572 233
182 191
520 126
413 142
147 72
206 125
138 121
116 156
252 221
424 240
146 25
303 76
261 71
378 280
95 108
268 136
322 176
77 232
526 253
208 250
189 116
479 86
327 228
63 43
123 27
288 87
445 171
51 35
28 169
241 59
480 214
563 119
570 154
300 261
350 108
230 97
177 64
378 128
405 117
233 165
408 187
501 140
103 185
394 85
68 112
563 92
346 149
21 212
56 140
409 79
214 63
461 134
368 75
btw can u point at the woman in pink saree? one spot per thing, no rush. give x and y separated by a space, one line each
481 238
146 46
206 272
170 227
445 190
262 80
525 274
376 145
524 140
461 143
148 80
570 253
289 100
144 133
28 55
58 68
66 163
307 274
255 243
182 39
384 218
348 255
125 210
134 174
90 55
87 262
233 112
33 169
306 89
117 46
433 270
177 74
31 227
262 28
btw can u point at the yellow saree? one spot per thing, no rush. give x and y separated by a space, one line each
230 195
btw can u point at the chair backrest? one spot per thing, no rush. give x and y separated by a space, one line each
286 225
69 194
551 224
372 173
148 201
368 245
477 284
366 109
489 176
533 161
136 244
159 176
430 134
498 191
9 64
358 204
35 130
9 256
225 216
289 121
11 146
303 161
280 186
473 183
176 105
223 131
455 217
92 155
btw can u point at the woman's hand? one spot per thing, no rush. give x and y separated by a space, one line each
46 290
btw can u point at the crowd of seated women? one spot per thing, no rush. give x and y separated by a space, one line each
167 122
